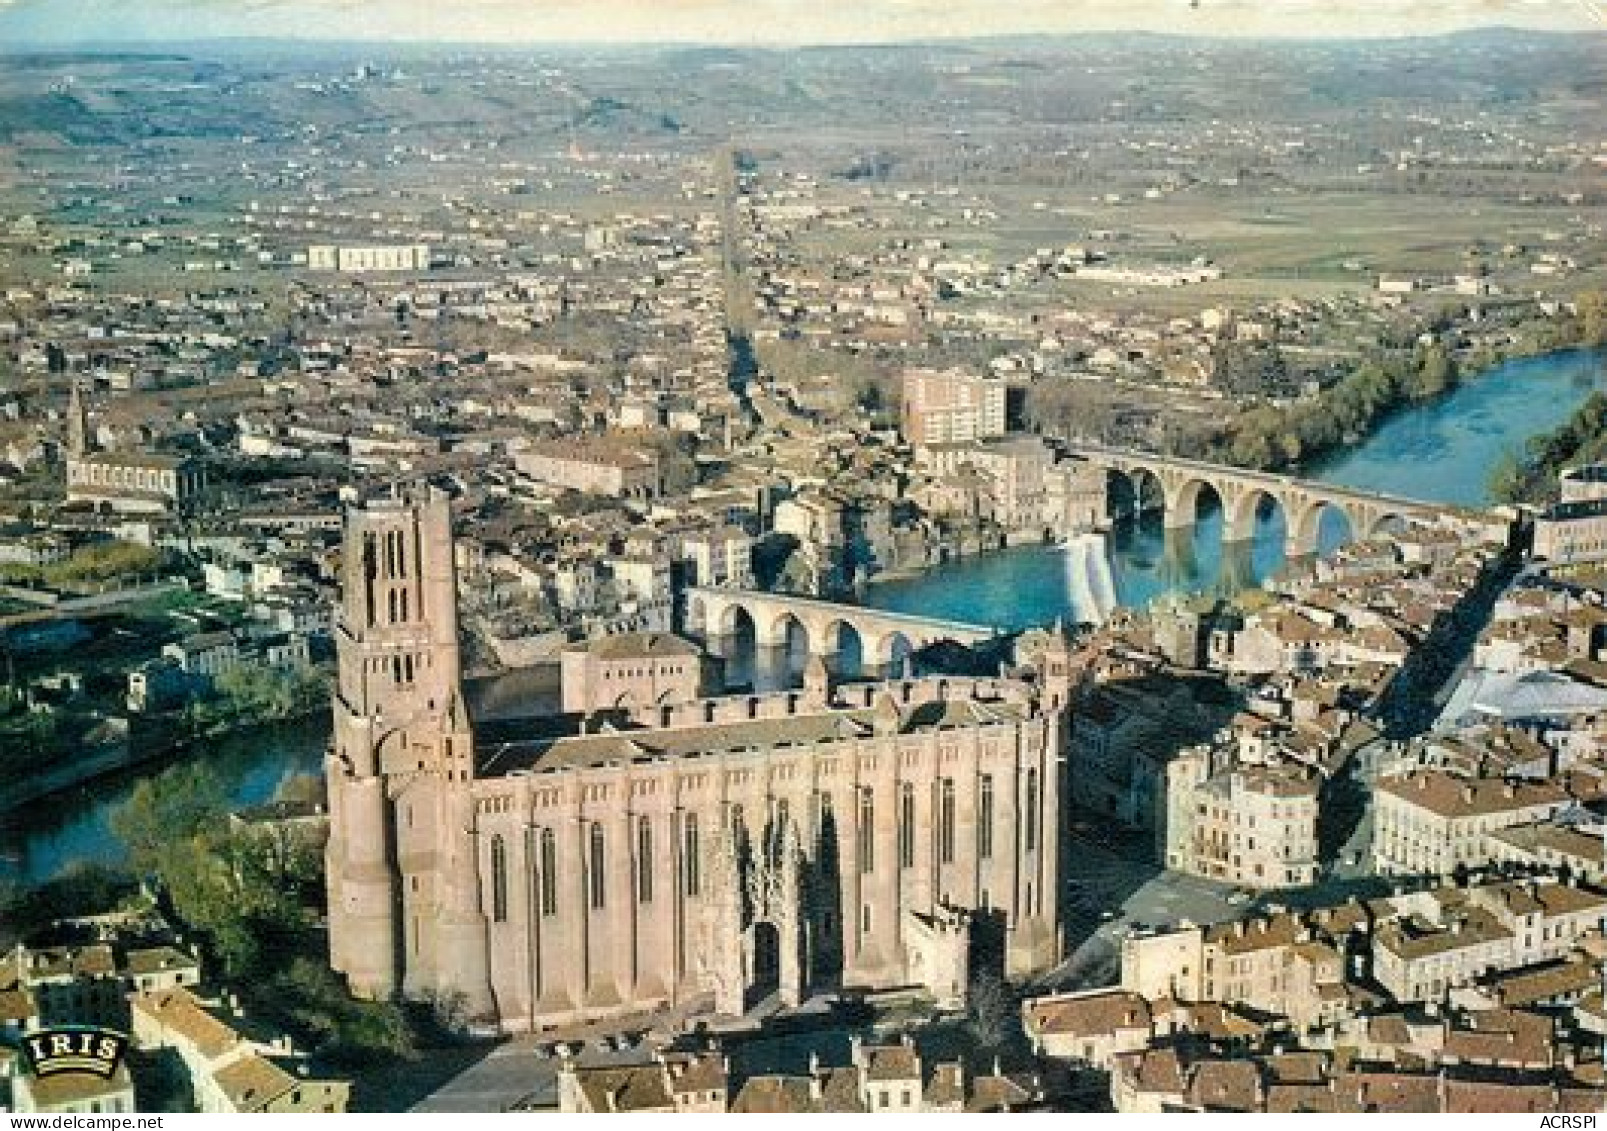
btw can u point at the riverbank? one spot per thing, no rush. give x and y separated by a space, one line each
1438 452
137 753
1445 450
1381 388
1532 476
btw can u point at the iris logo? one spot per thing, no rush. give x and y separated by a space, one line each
51 1052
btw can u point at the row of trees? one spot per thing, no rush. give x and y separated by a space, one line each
252 693
1531 476
1271 438
97 563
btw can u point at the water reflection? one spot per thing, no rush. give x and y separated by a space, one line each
42 839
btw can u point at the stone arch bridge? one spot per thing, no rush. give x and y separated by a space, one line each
1242 492
714 613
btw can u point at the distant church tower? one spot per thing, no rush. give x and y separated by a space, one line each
78 445
405 912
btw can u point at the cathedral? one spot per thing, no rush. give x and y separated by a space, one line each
727 850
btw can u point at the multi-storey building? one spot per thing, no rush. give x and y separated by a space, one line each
952 407
134 482
356 260
1430 822
594 468
722 556
1249 825
629 671
1572 531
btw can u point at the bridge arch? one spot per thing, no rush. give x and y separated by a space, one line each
1385 523
841 639
891 648
1183 500
731 619
1136 487
1241 519
1305 528
776 628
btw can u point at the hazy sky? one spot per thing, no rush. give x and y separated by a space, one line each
760 21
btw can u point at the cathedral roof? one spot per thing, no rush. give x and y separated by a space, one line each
638 645
745 736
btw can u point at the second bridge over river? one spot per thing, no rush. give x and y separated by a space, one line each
714 614
1179 484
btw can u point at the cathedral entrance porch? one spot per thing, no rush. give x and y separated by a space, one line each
764 964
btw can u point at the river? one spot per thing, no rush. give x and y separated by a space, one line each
1439 452
42 839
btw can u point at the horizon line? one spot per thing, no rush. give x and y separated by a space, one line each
155 45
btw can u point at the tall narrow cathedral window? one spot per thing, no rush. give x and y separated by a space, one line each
945 822
1032 810
499 880
692 877
644 860
865 834
984 820
599 860
549 873
823 814
906 826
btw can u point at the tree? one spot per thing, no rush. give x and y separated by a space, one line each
242 888
1248 369
353 1032
1436 372
1507 480
1592 313
169 808
992 1013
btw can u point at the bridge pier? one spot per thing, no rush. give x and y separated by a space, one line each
771 632
771 670
1239 516
823 635
1182 502
1180 565
1300 547
1238 567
